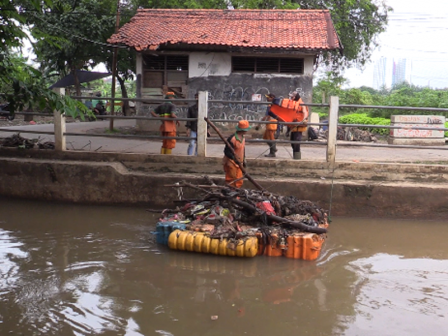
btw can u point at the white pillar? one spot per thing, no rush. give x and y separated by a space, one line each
333 117
202 124
59 126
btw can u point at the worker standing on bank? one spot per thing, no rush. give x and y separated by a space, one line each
168 127
296 130
238 143
271 128
192 128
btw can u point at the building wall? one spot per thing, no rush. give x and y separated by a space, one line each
212 72
379 76
399 71
203 64
209 64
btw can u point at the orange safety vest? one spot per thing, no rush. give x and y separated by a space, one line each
292 104
271 126
301 115
238 148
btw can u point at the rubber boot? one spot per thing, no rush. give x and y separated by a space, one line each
168 151
297 155
274 147
271 152
162 151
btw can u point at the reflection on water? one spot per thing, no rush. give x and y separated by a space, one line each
77 270
393 291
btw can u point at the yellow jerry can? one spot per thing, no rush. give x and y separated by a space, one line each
202 243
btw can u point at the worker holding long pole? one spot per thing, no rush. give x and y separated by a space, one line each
233 171
230 148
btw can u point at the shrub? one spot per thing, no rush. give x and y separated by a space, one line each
364 119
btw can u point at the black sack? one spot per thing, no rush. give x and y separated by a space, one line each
312 135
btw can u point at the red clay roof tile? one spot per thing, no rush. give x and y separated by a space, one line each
270 29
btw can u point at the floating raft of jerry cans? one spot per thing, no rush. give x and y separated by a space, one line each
245 223
253 242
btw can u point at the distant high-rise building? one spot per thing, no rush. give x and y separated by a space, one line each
379 75
399 71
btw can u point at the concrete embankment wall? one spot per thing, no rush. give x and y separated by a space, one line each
358 189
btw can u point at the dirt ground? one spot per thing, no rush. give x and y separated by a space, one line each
19 121
131 130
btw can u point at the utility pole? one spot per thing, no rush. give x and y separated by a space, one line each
114 70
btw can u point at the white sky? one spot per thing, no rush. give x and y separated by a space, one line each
418 32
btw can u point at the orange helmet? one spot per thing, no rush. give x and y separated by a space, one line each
243 126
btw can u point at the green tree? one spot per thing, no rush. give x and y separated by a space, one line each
403 94
81 26
22 85
328 85
194 4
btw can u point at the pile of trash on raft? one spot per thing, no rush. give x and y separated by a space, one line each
226 221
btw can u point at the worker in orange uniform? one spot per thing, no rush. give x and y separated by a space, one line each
269 133
168 127
296 130
237 141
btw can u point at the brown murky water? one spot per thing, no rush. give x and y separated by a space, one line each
78 270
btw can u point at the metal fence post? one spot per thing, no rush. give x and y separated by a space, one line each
333 116
59 126
202 124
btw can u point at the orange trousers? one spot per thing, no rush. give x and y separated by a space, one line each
269 135
169 143
233 172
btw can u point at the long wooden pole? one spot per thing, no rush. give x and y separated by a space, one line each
255 183
114 69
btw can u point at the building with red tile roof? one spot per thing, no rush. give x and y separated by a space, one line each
294 30
249 51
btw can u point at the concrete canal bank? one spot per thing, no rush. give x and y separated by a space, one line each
357 189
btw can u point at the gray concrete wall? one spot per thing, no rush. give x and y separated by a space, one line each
368 173
378 190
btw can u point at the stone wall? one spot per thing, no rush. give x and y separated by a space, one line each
409 136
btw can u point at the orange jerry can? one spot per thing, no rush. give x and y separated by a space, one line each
304 246
273 249
289 253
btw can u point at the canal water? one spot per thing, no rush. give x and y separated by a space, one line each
91 270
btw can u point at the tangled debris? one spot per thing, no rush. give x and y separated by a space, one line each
227 212
350 134
46 145
17 141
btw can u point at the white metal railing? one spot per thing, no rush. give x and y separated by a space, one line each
203 107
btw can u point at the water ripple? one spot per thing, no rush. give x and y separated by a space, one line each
407 289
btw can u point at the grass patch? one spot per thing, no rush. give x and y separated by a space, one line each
113 131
